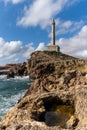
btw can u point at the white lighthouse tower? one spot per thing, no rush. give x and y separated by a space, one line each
53 46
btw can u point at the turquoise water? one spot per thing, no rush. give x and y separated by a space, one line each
11 90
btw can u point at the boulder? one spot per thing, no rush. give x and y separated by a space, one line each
18 70
10 74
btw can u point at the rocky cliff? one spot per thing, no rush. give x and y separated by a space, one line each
12 70
17 70
57 100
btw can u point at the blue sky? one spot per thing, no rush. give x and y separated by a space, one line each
25 26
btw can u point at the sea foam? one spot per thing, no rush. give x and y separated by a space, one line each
11 90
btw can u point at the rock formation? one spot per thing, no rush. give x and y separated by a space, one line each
5 69
18 70
57 99
12 70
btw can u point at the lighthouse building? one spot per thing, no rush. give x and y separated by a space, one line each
53 46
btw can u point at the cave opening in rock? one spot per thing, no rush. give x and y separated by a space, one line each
49 104
57 111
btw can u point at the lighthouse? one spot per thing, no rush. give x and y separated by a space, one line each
53 32
53 46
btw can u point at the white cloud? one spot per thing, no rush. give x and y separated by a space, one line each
67 27
40 12
13 1
8 48
27 50
67 24
75 46
40 47
16 51
64 27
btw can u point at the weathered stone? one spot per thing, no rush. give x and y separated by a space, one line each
18 70
72 122
60 80
10 74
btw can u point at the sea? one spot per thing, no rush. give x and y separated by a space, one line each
11 90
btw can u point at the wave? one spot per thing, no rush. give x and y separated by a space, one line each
21 77
4 77
7 103
11 90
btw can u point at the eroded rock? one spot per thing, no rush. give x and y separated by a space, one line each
60 84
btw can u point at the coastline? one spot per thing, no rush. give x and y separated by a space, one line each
59 80
11 90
